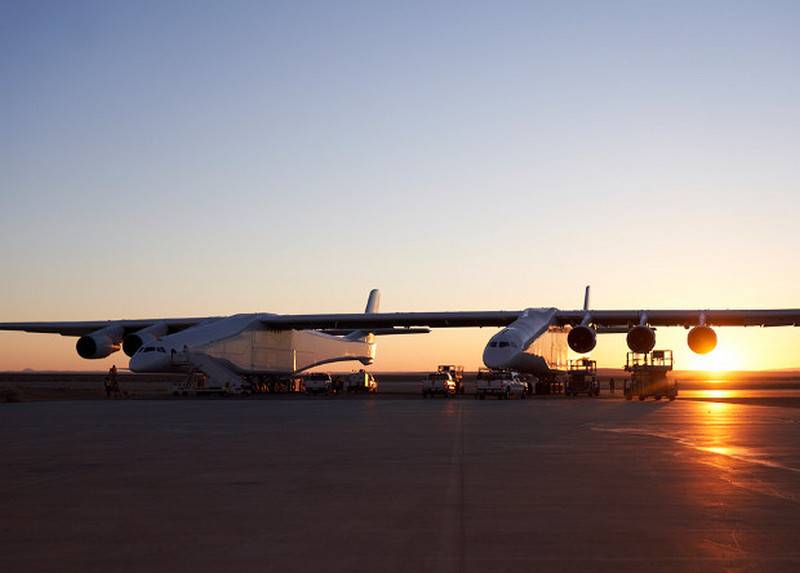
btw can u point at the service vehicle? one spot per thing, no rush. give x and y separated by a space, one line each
317 383
198 383
649 376
361 382
439 384
502 384
582 378
457 372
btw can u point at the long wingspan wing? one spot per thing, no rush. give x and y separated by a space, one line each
600 318
81 328
455 319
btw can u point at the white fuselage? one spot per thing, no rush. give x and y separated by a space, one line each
530 344
247 347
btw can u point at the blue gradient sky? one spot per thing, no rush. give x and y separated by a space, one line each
191 158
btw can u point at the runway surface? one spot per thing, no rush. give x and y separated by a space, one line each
379 484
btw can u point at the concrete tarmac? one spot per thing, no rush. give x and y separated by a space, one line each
379 484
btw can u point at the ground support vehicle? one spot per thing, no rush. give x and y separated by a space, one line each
649 376
457 373
439 384
317 383
502 384
361 382
582 378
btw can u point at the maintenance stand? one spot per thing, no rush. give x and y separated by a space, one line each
649 375
582 378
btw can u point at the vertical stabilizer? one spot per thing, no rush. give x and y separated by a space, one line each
586 297
373 302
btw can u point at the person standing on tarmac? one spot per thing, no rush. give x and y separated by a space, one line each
611 385
112 386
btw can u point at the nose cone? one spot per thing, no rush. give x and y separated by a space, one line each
498 354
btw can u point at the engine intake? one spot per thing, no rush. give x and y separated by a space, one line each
702 339
582 339
135 341
641 339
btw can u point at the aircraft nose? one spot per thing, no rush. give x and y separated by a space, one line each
496 356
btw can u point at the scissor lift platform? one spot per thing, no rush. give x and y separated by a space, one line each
649 375
582 378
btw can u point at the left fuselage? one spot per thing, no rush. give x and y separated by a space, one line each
245 346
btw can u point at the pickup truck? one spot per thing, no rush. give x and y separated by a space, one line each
317 383
503 384
439 384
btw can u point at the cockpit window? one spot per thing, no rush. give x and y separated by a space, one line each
504 344
493 344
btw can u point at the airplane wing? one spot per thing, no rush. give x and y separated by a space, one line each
604 319
405 322
687 318
389 320
81 328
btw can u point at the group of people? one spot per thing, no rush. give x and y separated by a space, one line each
111 384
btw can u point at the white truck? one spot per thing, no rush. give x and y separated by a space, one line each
439 384
361 382
502 384
317 383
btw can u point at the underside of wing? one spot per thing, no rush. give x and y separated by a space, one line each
389 320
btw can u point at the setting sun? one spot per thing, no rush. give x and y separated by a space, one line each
720 360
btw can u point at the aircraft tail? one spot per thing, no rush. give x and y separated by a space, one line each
373 305
373 302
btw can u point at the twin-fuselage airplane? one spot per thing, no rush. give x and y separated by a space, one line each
535 340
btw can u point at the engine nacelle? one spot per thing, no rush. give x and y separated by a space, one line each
702 339
641 339
99 344
582 339
135 341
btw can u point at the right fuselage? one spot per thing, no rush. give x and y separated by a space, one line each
530 344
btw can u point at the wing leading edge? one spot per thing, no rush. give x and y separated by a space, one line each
81 328
604 319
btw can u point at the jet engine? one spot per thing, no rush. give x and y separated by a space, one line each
135 341
702 339
99 344
641 339
582 339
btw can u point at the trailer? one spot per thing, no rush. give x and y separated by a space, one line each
649 376
582 378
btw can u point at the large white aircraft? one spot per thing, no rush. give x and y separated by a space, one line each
534 340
